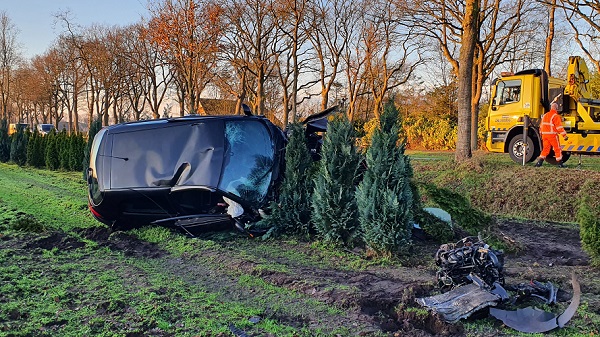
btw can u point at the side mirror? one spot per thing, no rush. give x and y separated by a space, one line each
89 174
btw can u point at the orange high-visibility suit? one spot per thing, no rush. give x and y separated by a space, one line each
550 128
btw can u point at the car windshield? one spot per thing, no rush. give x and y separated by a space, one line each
249 157
47 127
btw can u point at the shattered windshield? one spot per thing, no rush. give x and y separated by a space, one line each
249 156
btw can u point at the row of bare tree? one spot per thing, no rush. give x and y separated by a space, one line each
276 54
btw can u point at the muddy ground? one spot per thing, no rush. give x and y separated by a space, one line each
541 251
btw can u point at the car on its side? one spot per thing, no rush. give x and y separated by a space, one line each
189 171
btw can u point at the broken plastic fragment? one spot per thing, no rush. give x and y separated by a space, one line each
534 320
234 209
460 302
529 319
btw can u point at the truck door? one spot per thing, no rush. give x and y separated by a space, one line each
506 104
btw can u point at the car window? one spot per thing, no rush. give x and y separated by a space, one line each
249 157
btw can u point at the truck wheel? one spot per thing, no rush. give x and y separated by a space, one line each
515 149
551 160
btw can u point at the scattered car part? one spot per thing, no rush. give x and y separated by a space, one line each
528 319
460 302
546 292
534 320
566 316
237 332
440 214
469 255
468 267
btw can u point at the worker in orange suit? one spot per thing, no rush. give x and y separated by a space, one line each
550 128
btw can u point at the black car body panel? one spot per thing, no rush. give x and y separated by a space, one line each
142 172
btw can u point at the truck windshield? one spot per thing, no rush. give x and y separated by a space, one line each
507 92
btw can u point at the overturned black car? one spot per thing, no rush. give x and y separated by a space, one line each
188 172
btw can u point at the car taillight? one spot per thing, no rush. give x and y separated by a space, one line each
95 213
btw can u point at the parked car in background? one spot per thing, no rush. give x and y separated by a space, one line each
14 127
44 129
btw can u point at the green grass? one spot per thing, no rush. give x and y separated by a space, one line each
496 185
198 286
96 290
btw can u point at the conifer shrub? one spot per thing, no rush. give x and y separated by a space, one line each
4 141
31 147
384 196
62 144
76 152
468 218
18 147
292 213
334 212
589 222
40 151
51 152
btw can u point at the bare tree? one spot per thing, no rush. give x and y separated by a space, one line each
9 58
354 59
151 65
253 27
328 25
549 38
584 19
502 37
187 33
392 51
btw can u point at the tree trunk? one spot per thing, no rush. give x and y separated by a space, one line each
549 38
477 87
465 78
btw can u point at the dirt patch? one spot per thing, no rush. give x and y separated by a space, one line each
548 244
56 240
121 241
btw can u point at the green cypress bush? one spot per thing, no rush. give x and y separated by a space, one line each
589 222
40 152
291 214
384 196
18 148
31 147
4 141
76 149
63 146
51 152
333 204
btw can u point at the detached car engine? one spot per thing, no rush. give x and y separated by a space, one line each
456 261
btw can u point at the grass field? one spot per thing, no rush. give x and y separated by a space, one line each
64 274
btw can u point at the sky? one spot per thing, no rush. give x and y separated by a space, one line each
35 19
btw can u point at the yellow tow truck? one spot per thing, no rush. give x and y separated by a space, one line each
519 100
